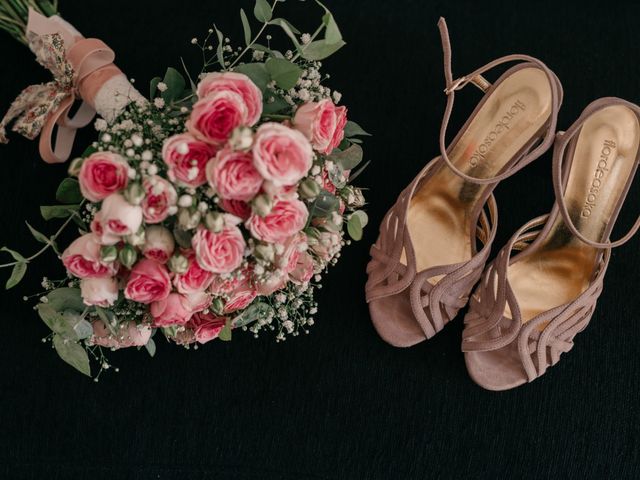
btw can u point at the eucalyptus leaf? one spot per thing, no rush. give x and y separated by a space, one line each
41 237
19 269
352 129
283 72
357 221
51 317
332 32
107 317
225 333
153 87
337 177
72 353
69 191
13 253
262 11
219 49
278 105
357 173
175 84
324 205
253 312
83 329
281 22
58 211
246 29
66 298
257 72
321 49
348 159
151 347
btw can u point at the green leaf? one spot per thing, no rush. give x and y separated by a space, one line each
324 205
253 312
72 353
175 85
69 191
225 333
16 256
321 49
153 87
348 159
285 73
83 329
245 27
284 24
257 72
107 317
357 173
19 269
278 105
41 237
66 298
332 32
352 129
51 318
262 11
151 347
357 221
219 50
58 211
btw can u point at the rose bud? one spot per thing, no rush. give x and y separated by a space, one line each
128 256
309 189
134 193
75 166
159 243
188 219
214 221
102 292
108 253
265 251
262 205
178 264
241 138
137 238
217 305
119 217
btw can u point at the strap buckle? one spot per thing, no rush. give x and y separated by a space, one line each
456 85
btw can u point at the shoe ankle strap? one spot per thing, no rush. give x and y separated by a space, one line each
479 81
560 177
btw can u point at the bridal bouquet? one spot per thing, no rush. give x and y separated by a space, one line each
213 205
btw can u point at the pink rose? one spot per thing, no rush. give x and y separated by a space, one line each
206 327
101 174
119 217
273 283
172 310
293 247
97 228
304 269
195 279
198 301
216 116
158 243
287 217
220 252
128 335
187 158
322 123
233 175
148 282
242 294
237 83
281 154
160 197
102 291
238 208
82 258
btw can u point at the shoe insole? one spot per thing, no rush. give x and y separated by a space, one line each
562 266
439 214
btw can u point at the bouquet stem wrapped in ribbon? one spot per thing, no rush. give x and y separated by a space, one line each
215 204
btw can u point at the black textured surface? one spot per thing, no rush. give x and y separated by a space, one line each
339 403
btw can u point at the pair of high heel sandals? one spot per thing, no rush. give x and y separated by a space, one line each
541 289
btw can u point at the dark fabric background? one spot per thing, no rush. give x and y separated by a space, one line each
338 403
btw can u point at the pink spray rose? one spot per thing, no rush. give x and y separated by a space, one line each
101 174
195 279
149 282
97 228
119 217
220 252
241 294
82 258
158 243
274 282
216 116
237 83
287 217
187 158
293 247
281 154
303 270
128 335
174 309
198 301
102 291
206 326
160 197
322 123
233 175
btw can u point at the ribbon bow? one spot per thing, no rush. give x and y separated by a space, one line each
39 108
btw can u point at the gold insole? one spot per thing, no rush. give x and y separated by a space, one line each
561 268
439 213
